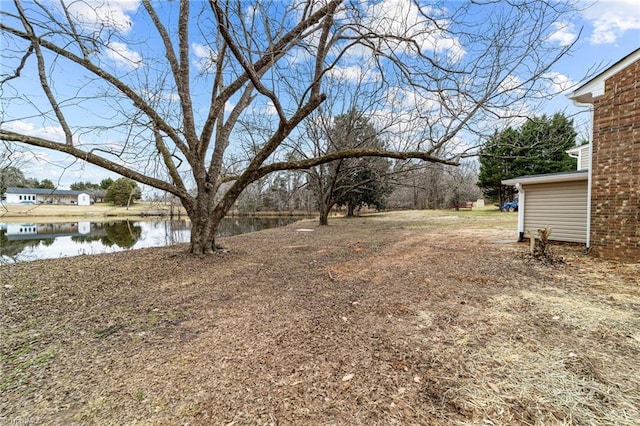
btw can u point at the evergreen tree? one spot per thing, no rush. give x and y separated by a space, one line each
366 185
105 183
353 181
538 147
46 184
11 177
122 192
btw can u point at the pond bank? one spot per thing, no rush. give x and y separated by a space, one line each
18 213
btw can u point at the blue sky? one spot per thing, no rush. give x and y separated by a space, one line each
610 30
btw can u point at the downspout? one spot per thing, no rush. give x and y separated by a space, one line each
520 212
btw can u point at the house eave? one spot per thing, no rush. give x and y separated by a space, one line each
548 178
595 87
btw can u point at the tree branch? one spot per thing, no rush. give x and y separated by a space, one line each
89 157
43 77
111 79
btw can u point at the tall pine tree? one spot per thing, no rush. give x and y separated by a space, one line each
538 147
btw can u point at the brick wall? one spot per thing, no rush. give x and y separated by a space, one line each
615 202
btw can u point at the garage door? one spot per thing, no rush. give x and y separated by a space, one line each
561 205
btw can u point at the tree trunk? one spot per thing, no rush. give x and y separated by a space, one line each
204 225
203 231
324 207
324 216
350 209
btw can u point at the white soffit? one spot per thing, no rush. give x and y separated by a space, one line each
549 178
593 88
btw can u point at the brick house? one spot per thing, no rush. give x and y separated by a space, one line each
605 211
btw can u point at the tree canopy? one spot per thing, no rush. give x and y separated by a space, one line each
83 186
537 147
200 99
46 184
350 182
11 176
122 192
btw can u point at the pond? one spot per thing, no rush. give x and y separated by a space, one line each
23 242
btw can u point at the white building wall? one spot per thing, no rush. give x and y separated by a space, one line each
84 200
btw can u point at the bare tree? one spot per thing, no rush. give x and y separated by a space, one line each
340 181
219 79
463 184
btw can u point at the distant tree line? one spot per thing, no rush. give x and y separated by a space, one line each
85 186
402 185
13 177
538 146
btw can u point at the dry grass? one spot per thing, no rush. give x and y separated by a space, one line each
403 318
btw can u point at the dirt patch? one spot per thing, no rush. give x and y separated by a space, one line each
402 318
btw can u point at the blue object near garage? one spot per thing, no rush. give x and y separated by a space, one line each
511 206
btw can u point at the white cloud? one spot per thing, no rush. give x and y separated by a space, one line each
305 52
123 56
269 109
261 107
564 33
298 55
52 133
405 20
98 14
163 95
354 74
558 82
511 83
205 57
611 19
32 158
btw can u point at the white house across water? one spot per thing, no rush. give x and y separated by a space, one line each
45 196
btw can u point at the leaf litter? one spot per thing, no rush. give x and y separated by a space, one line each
400 318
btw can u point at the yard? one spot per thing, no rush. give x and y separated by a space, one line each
397 318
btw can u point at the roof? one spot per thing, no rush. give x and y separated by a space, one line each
41 191
594 87
577 149
548 178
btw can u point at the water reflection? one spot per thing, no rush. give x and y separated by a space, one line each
20 242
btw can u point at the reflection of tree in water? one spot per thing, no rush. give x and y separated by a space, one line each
124 234
175 231
242 225
12 249
86 238
120 234
47 242
96 233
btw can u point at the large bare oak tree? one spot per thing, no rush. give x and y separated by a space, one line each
200 99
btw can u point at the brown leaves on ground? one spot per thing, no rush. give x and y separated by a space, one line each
406 318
